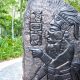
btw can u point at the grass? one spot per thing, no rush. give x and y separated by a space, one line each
10 48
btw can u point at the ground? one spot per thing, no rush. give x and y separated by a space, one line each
11 70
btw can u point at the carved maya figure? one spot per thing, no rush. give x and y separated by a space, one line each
53 49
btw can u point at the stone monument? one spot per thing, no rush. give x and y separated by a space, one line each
51 40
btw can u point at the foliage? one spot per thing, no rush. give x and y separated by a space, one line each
6 7
74 3
10 48
6 26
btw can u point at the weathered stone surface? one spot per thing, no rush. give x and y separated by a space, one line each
49 9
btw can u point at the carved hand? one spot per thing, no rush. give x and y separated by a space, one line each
37 53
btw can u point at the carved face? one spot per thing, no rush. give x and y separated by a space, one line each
56 32
54 42
54 36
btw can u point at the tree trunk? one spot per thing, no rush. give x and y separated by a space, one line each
21 17
13 16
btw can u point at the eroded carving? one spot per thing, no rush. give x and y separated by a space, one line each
36 28
52 34
59 50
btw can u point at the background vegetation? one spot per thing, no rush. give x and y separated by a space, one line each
75 4
11 18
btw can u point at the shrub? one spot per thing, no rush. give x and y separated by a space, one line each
10 48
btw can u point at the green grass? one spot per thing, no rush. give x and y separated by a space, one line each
10 48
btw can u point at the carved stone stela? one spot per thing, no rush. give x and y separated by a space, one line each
51 37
